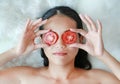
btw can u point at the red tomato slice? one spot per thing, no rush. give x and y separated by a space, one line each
50 37
69 37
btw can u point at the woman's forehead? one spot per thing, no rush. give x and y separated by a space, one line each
60 23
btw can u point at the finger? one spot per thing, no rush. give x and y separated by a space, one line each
86 22
37 21
78 45
99 26
37 46
33 37
27 24
93 25
80 31
40 23
41 32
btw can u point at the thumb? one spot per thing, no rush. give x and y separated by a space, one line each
37 46
78 45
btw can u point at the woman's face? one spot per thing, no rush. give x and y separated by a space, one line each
60 53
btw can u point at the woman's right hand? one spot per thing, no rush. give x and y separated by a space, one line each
26 44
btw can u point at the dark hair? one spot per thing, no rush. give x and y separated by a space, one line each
81 59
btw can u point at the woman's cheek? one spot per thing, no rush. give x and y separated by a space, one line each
73 51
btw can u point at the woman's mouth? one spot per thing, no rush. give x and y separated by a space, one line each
60 53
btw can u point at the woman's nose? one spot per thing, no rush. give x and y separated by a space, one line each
60 43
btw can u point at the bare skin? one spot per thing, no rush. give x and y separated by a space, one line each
60 71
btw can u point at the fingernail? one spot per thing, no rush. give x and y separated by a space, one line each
71 45
71 29
80 15
40 18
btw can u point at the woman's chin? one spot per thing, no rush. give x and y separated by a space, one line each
62 60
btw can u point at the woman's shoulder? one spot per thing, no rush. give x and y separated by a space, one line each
102 75
18 73
99 75
19 70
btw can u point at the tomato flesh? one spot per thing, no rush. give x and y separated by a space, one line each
69 37
50 37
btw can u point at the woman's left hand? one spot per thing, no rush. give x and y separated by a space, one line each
94 43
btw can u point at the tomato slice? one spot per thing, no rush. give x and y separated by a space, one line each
69 37
50 37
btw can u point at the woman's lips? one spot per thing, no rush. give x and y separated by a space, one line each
60 53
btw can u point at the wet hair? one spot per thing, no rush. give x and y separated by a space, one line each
81 59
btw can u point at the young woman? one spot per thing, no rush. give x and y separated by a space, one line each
63 50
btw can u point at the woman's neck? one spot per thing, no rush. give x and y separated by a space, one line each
61 71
